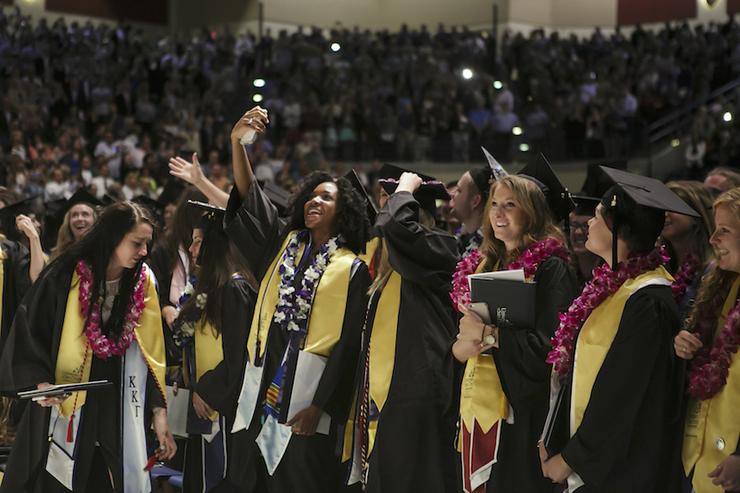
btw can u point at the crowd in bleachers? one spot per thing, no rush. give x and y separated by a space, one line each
107 106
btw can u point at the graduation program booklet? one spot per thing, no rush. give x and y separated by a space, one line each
509 299
61 389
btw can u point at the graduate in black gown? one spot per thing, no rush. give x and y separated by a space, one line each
404 419
211 329
505 387
616 383
305 336
14 281
96 440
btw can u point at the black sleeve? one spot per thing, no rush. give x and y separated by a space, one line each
334 392
643 344
21 261
218 387
29 352
154 397
419 254
522 352
255 228
161 263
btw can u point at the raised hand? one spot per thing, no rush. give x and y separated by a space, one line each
190 172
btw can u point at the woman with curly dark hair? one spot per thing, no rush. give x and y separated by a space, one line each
305 335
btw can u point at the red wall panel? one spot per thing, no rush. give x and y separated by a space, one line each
646 11
151 11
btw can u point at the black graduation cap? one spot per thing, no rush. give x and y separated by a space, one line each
154 206
82 196
585 204
279 196
430 190
646 192
211 223
354 179
171 192
10 212
557 195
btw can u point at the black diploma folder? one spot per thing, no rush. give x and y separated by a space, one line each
61 389
510 303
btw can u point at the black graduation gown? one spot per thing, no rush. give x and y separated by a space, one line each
525 379
310 464
162 263
220 386
630 424
29 358
414 446
16 282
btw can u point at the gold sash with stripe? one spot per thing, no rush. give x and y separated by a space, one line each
596 337
712 425
327 310
74 358
482 397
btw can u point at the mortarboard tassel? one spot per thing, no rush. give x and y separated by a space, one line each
70 429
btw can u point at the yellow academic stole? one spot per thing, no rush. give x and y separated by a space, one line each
596 337
74 358
482 399
712 425
209 352
327 310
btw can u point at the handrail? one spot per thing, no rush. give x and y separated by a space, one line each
676 120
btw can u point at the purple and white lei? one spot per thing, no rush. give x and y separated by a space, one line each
294 306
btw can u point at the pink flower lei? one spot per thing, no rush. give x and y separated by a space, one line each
529 260
709 369
102 346
604 283
685 276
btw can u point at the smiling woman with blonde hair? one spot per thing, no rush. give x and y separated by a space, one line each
711 449
506 382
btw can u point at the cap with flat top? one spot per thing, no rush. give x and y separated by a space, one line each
428 192
211 223
10 212
585 204
642 191
557 195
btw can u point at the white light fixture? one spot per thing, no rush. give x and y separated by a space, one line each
467 73
335 47
727 117
497 84
257 98
517 130
259 83
524 147
675 143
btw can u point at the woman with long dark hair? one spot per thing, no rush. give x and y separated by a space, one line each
92 315
211 329
171 262
305 334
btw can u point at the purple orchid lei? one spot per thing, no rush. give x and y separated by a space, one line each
709 369
529 260
605 282
102 346
685 276
294 306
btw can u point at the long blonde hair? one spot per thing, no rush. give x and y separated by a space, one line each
382 259
716 284
538 224
65 238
